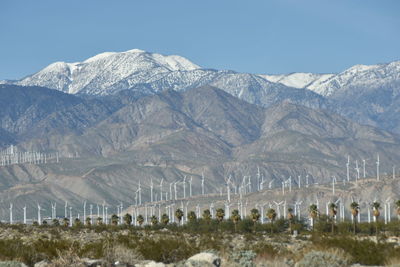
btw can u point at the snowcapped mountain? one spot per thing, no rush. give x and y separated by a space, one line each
358 76
107 72
149 73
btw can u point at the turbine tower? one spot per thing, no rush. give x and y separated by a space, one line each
11 213
202 183
348 168
24 208
377 168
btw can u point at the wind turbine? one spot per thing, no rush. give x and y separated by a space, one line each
334 181
151 190
190 186
307 181
299 183
24 208
297 209
161 189
278 205
84 212
357 170
11 213
170 190
65 209
202 183
184 186
258 178
39 215
70 216
377 167
394 172
91 213
348 168
363 168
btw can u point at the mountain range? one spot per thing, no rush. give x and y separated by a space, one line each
138 116
365 94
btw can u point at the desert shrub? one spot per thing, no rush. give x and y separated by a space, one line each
324 258
166 250
243 258
245 226
265 250
210 242
362 251
323 224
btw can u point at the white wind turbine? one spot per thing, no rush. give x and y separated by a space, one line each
91 213
161 189
270 184
65 209
170 190
307 183
184 186
278 209
70 216
394 172
348 168
334 181
364 168
39 215
377 167
297 209
387 210
190 186
24 209
84 212
202 183
357 170
176 192
53 210
258 178
11 213
151 190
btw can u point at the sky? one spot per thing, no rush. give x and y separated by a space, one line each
255 36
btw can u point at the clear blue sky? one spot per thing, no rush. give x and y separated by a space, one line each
277 36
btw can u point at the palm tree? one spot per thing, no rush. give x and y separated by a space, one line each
313 211
65 222
255 217
271 214
398 208
207 215
154 220
192 216
77 222
332 212
376 207
88 221
355 208
235 218
165 219
140 219
114 219
128 219
179 215
220 214
99 221
290 218
44 222
56 222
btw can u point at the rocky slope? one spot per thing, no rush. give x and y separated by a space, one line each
122 141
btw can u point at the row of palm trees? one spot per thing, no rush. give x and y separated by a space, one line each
354 208
235 217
